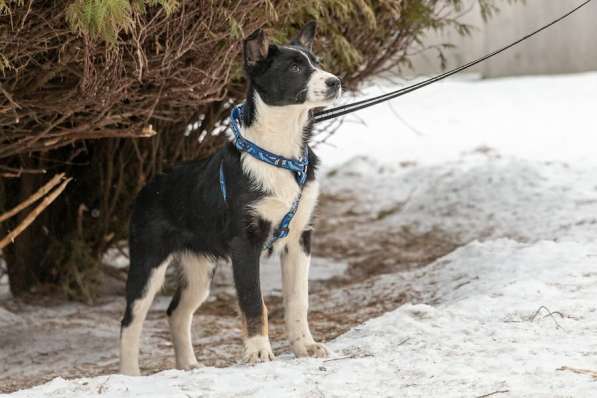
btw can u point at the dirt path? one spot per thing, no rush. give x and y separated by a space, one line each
55 338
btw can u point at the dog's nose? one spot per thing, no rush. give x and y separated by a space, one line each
332 82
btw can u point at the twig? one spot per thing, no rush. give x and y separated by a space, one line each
493 393
18 171
591 373
404 121
33 198
353 356
549 314
102 386
33 215
114 272
9 97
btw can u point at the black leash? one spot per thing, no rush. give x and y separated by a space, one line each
357 106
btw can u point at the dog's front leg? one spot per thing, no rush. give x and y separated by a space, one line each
295 280
245 264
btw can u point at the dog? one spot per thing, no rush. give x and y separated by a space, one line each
229 205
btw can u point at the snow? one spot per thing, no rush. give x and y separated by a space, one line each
480 197
511 311
478 334
537 118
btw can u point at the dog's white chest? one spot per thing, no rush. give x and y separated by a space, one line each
281 191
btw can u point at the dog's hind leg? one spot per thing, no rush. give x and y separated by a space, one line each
142 284
196 272
295 285
245 264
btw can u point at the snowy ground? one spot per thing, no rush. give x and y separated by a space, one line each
536 118
478 222
480 333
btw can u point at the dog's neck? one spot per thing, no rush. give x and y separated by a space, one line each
278 129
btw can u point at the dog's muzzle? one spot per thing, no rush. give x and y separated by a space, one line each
334 87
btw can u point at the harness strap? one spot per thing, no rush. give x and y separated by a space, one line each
297 166
283 230
223 182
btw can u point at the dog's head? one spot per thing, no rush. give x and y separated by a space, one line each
289 74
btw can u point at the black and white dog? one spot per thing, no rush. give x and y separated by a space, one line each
183 217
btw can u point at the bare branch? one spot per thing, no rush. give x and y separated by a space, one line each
33 198
34 214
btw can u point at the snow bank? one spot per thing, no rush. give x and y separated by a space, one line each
479 333
477 197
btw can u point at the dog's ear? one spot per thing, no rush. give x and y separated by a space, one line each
306 35
256 47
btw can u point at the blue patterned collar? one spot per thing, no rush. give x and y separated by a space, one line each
297 166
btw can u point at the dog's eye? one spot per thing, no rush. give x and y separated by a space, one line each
295 68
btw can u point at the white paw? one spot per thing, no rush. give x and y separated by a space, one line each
258 349
316 350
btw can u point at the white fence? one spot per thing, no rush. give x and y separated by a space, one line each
570 46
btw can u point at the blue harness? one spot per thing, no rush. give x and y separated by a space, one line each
296 166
